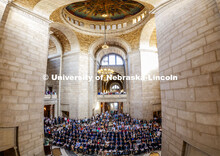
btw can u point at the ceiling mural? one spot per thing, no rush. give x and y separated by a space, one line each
99 10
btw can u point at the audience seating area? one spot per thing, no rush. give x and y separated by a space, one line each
105 134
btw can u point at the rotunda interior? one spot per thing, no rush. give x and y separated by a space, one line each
76 73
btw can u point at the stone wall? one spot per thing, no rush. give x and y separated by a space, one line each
150 88
53 68
188 44
135 87
92 86
84 92
69 89
144 96
23 59
75 93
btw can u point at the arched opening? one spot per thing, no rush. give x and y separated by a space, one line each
115 87
116 63
112 60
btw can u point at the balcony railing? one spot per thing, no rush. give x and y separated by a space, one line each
111 98
50 99
47 97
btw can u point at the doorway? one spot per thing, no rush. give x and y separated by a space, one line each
112 107
65 114
49 111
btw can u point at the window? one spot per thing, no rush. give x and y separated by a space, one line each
134 21
113 27
92 27
139 18
119 26
119 61
108 27
112 59
97 27
105 61
115 87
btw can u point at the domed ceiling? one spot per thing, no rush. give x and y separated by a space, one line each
99 10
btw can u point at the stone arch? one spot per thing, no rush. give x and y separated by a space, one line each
57 45
112 42
69 34
112 83
112 49
146 34
153 39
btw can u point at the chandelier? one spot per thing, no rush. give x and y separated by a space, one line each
104 72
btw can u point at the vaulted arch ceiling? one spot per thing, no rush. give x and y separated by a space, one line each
62 38
52 49
146 34
68 35
153 39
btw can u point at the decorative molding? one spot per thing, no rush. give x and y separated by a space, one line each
86 23
54 57
30 14
56 15
70 53
115 32
158 10
133 38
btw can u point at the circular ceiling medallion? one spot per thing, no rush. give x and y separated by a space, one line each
99 10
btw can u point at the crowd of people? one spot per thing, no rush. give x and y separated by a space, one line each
105 134
50 92
111 93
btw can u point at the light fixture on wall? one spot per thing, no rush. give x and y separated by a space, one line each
105 46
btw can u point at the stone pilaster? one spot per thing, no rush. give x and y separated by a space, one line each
75 93
150 88
135 87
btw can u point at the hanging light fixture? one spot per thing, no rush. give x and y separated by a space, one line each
105 72
105 15
105 46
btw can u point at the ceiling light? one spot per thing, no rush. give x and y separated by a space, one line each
105 46
104 15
